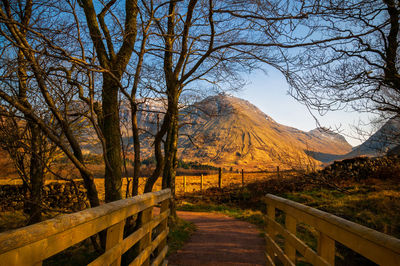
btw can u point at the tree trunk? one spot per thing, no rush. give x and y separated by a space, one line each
111 132
136 148
159 157
36 166
392 75
36 174
170 148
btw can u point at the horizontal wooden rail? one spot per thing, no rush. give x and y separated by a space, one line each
377 247
32 244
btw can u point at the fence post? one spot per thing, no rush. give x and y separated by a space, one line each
114 236
184 183
290 224
326 248
242 177
201 183
277 171
220 177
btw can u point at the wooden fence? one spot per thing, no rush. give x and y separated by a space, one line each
222 179
33 244
377 247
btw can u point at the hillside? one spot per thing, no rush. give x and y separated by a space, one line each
229 131
384 140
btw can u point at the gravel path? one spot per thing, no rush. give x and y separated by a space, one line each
220 240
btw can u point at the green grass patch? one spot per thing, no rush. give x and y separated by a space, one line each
376 209
247 215
179 234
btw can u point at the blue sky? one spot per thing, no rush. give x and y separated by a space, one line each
270 94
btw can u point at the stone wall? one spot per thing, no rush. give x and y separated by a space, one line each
58 196
361 168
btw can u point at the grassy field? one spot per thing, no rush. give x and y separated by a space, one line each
193 182
373 200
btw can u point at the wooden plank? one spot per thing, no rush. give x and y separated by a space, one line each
160 258
378 247
290 224
270 262
281 255
145 254
142 257
299 245
29 234
54 244
33 244
163 225
270 252
145 217
115 234
271 216
110 255
270 229
326 248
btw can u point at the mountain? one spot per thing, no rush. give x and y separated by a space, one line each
387 138
227 131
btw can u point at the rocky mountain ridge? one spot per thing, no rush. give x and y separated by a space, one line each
229 131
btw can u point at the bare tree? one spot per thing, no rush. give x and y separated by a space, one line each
30 78
354 61
212 42
113 63
31 153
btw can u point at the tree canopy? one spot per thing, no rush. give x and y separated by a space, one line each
77 60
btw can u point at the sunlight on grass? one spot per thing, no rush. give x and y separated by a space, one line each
251 216
179 234
379 209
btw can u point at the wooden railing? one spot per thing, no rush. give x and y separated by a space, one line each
33 244
375 246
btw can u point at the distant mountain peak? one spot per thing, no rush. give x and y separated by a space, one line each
240 134
223 130
327 133
228 103
382 141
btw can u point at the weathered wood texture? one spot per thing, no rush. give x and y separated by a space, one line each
32 244
377 247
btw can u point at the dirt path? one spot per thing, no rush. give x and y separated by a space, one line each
220 240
